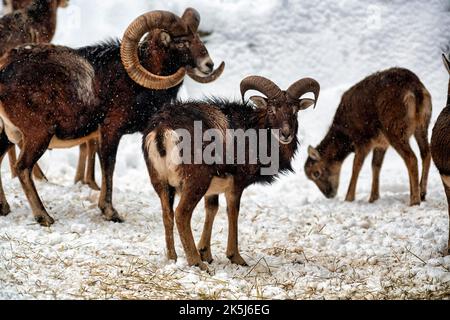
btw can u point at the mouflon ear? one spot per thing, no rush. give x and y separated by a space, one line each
165 38
260 102
306 103
314 153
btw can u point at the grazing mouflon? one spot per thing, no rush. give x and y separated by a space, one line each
383 110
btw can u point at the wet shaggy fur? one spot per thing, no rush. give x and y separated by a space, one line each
72 100
219 114
196 181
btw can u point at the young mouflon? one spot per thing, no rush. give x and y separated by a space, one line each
383 110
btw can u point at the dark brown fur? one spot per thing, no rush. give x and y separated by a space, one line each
198 180
34 22
86 164
440 147
383 110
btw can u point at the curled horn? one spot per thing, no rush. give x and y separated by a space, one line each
192 18
303 86
129 49
261 84
209 78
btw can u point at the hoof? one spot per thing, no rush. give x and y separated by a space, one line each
414 203
237 259
423 196
172 256
206 255
202 266
4 209
116 219
374 199
195 261
349 199
112 215
44 220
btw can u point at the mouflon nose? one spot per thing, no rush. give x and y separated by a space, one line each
206 65
210 65
286 131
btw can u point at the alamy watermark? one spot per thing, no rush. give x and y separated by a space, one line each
229 146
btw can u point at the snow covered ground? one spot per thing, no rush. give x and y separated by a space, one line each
298 244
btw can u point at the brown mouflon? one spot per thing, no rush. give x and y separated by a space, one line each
383 110
195 181
33 22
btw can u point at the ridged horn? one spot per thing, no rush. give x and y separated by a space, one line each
192 18
213 76
302 86
129 49
261 84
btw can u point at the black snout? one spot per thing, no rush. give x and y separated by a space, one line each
330 193
210 65
285 134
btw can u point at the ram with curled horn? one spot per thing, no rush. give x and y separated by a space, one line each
277 111
103 92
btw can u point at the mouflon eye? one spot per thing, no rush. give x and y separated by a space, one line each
272 110
316 174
